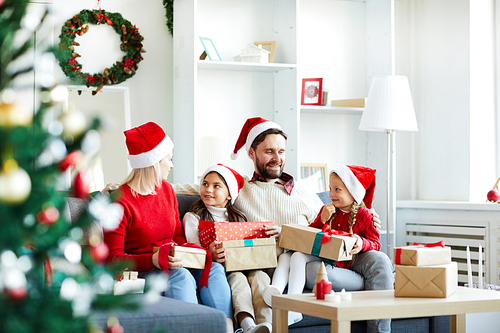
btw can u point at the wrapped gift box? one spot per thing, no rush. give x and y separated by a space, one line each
426 281
307 240
129 283
224 231
191 256
248 254
419 255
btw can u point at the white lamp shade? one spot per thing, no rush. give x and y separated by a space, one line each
389 105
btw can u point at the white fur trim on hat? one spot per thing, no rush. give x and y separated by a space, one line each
228 176
153 156
352 183
258 129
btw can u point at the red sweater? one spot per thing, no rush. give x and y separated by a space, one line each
148 221
363 227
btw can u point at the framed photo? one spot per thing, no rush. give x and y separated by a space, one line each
210 49
315 175
270 46
312 91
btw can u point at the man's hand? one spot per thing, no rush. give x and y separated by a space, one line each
217 251
327 212
109 187
376 221
358 245
272 230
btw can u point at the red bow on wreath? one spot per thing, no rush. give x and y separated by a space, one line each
108 21
328 232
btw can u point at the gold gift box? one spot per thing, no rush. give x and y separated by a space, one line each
191 257
422 256
258 253
306 240
426 281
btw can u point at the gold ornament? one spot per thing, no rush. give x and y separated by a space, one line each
74 123
15 184
13 114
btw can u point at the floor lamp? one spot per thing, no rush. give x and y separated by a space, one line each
389 108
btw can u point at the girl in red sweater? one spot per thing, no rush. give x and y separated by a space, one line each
151 219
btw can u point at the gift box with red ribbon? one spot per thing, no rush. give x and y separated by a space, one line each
191 257
422 255
325 243
224 231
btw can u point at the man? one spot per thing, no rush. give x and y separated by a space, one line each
272 195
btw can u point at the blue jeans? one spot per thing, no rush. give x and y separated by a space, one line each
181 284
218 293
370 270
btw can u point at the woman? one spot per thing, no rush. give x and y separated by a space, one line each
151 219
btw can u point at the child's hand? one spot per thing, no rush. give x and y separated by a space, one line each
358 245
272 230
327 212
217 251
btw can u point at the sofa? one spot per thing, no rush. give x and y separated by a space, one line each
176 316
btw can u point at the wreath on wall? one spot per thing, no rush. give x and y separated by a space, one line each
118 72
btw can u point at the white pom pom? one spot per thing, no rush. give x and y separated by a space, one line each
234 156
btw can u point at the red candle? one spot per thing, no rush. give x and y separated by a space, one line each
323 287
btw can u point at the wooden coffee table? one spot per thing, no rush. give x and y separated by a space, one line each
380 304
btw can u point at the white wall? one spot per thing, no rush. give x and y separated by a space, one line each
151 87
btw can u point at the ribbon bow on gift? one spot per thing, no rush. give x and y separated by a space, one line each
328 232
164 252
397 258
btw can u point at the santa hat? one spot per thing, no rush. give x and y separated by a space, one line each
251 129
233 179
359 180
147 144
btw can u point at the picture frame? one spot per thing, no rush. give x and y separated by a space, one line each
316 176
312 91
269 46
210 49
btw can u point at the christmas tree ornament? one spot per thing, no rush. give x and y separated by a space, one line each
74 123
70 160
48 216
14 114
15 184
494 195
81 185
321 274
116 73
72 251
109 214
114 325
98 249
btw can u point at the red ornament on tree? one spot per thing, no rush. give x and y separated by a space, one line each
48 216
81 186
99 252
71 159
16 294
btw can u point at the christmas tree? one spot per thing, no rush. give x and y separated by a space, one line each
40 151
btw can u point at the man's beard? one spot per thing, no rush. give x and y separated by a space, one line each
264 172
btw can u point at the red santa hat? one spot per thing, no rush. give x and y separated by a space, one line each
359 180
147 144
251 129
233 179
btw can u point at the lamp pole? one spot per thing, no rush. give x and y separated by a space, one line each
391 191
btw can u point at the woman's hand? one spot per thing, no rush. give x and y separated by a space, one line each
327 212
272 230
217 251
358 245
173 262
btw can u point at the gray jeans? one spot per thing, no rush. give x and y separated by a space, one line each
371 270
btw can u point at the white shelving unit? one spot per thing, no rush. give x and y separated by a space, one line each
331 110
214 98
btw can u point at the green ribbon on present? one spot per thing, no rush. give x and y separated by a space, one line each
317 244
248 242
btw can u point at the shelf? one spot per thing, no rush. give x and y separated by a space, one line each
331 110
244 66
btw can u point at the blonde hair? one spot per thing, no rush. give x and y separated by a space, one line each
144 180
